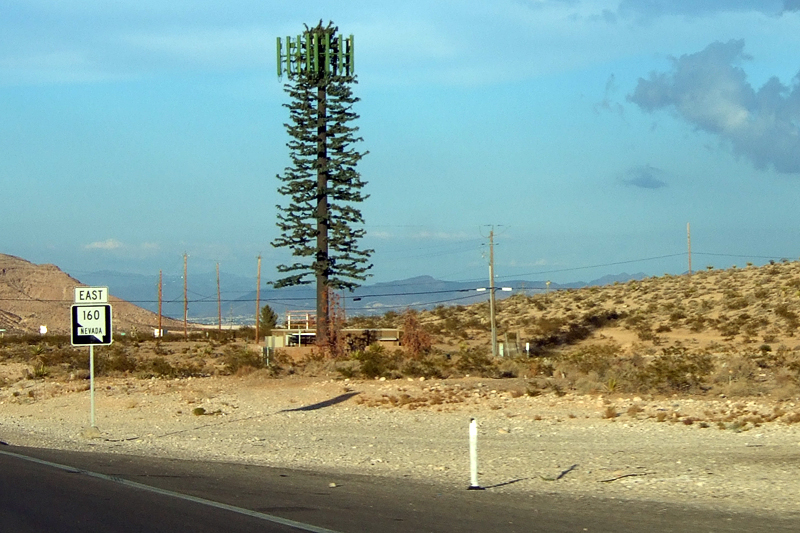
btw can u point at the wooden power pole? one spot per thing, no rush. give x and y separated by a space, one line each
491 293
185 298
689 244
258 296
219 304
160 299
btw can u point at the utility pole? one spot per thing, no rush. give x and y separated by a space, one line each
185 298
689 243
258 296
491 292
219 304
160 298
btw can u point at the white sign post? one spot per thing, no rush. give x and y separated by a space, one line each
91 325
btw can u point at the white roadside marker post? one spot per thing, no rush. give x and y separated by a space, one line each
473 456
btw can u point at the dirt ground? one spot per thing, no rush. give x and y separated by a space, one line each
729 454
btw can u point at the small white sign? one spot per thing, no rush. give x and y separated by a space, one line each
91 295
92 321
91 324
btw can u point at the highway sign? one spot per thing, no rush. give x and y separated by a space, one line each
91 295
91 324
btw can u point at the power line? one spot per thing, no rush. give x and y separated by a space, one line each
597 266
205 299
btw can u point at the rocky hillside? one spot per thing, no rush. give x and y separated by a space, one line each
752 308
41 295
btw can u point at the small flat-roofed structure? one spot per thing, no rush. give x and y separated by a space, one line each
300 330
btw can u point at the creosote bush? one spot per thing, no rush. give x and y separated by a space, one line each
240 360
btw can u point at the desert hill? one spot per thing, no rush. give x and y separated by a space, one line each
738 309
41 295
735 329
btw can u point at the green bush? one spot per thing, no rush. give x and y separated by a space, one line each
675 370
597 358
376 362
236 359
161 368
475 360
429 366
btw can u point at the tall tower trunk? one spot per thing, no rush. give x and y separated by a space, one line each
322 266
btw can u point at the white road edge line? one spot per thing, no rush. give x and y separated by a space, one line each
133 484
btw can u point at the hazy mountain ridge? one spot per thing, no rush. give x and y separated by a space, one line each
238 295
34 295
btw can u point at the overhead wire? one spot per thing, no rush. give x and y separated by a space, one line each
377 295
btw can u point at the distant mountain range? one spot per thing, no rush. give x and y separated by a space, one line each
239 297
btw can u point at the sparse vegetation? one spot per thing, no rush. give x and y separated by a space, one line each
720 332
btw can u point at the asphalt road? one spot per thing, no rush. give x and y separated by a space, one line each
119 493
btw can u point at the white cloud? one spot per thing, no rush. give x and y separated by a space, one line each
442 235
109 244
645 9
710 91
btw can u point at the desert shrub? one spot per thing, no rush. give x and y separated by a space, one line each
792 321
754 325
645 332
597 358
374 362
549 326
676 370
737 368
475 360
237 359
733 300
246 333
157 367
416 340
38 371
677 315
509 368
761 293
430 366
727 326
66 358
114 359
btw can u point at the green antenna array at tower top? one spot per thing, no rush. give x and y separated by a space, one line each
318 53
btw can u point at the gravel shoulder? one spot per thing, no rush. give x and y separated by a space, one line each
609 447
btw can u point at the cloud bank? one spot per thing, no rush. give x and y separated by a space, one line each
711 92
655 8
644 177
109 244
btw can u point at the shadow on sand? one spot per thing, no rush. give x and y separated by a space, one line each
327 403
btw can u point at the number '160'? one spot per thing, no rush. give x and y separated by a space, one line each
92 314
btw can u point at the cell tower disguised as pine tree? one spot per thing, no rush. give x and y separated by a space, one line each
321 224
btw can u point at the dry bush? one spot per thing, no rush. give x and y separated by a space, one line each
610 412
598 358
676 370
431 365
634 410
371 363
114 360
415 340
475 361
238 358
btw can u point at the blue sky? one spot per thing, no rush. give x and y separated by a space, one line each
588 132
